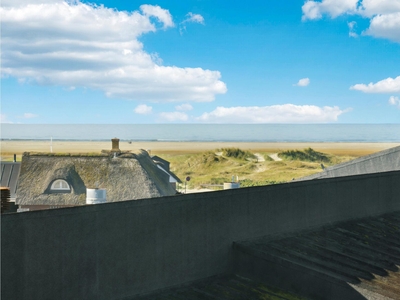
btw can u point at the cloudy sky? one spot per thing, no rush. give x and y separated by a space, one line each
200 61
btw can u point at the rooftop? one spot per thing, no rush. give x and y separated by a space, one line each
125 176
9 176
383 161
362 256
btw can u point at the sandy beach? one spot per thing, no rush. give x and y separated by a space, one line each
10 147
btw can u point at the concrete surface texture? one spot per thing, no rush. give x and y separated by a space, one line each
383 161
228 287
351 260
348 260
122 249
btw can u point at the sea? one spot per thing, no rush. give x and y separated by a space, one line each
206 132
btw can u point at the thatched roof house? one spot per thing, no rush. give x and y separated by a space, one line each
56 180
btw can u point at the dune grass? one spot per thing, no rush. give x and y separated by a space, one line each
213 168
308 154
237 153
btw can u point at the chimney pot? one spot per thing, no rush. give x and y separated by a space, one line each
115 145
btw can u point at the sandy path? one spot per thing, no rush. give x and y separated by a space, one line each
260 157
275 157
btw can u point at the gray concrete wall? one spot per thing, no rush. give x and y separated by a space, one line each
116 250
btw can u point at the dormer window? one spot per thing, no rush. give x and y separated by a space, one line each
60 185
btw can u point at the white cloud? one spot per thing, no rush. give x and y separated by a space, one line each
184 107
174 116
161 14
352 26
83 45
29 116
384 15
17 3
194 18
385 26
303 82
315 10
388 85
190 18
394 101
370 8
143 109
286 113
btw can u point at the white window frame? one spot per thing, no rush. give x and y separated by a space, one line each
60 185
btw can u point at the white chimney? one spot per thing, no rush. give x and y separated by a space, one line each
95 196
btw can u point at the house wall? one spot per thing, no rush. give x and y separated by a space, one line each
116 250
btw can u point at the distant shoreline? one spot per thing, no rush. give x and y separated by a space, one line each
198 141
10 147
205 133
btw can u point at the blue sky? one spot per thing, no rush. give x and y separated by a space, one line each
124 62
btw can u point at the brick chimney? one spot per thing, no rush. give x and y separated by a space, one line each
115 145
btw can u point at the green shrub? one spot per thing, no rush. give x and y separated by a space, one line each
305 155
250 183
237 153
218 180
267 157
203 160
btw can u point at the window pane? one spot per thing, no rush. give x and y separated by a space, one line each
60 184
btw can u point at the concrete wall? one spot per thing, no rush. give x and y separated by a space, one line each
116 250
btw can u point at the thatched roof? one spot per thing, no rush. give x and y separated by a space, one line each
162 162
128 176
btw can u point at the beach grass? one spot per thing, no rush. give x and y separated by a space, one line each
212 169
